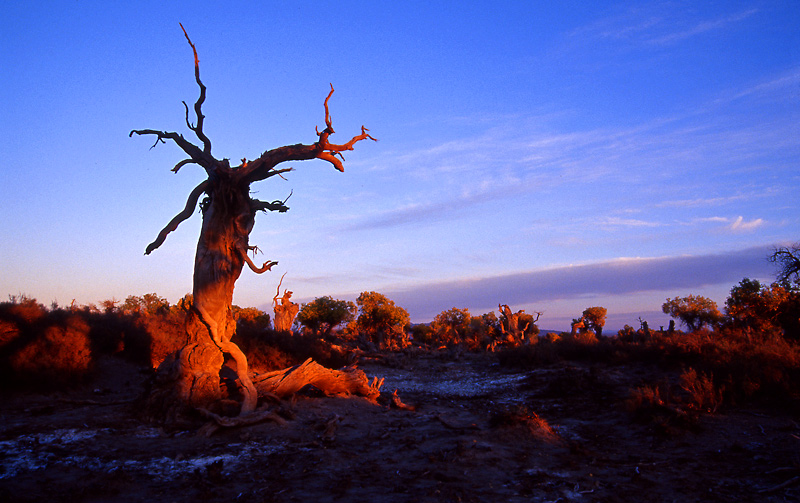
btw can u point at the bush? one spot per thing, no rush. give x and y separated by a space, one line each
702 394
41 349
271 350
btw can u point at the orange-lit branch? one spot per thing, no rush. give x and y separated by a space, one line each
258 270
330 150
263 167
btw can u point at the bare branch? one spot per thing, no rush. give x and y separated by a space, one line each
279 206
187 212
349 145
328 123
278 294
197 155
198 130
263 167
330 150
182 164
788 260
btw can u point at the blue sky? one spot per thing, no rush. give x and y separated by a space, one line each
546 155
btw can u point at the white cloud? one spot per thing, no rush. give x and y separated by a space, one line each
740 225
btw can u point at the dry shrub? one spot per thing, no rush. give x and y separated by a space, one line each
54 356
750 368
701 392
643 399
587 338
522 416
543 353
261 351
677 407
276 350
574 381
731 366
655 405
24 311
9 331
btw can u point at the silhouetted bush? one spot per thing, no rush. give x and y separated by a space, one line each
42 349
271 350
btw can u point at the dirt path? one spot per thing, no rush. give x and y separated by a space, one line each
463 443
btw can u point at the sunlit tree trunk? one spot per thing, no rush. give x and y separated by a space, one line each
190 380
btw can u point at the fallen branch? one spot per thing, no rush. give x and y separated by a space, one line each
346 382
398 404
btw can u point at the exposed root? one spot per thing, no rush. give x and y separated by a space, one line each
218 422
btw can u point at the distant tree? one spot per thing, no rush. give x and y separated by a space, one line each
184 305
763 309
147 304
594 319
379 318
484 330
251 316
109 306
694 311
323 314
452 325
487 323
422 333
788 259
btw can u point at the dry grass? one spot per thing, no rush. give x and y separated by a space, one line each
522 416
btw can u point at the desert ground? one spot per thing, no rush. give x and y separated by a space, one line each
479 431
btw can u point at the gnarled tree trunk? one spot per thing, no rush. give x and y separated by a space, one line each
511 324
190 380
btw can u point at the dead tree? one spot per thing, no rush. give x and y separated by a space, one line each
510 323
191 378
285 311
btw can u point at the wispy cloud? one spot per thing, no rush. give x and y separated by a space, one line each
777 85
701 27
626 222
702 201
740 225
655 24
621 161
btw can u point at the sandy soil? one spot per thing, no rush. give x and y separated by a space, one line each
459 445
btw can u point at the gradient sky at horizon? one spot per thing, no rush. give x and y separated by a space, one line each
547 155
